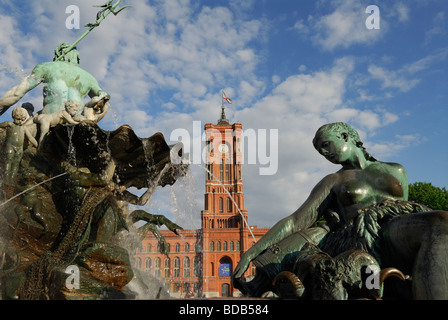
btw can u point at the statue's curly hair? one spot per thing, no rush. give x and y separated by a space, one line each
339 128
73 54
19 111
364 232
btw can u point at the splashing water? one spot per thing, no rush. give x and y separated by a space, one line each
183 202
16 71
233 200
31 188
114 115
71 148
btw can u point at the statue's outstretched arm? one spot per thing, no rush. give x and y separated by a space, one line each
317 203
30 137
16 93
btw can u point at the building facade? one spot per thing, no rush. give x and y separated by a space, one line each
200 262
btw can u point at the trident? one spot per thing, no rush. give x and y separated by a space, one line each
109 7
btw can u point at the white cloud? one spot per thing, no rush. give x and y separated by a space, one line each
296 107
343 27
438 27
345 23
405 78
186 51
386 149
401 11
392 79
165 63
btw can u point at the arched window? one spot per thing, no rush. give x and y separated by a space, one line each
157 267
224 246
231 248
212 246
148 248
147 264
218 246
225 267
196 267
237 246
176 267
221 171
186 267
210 146
229 205
220 205
187 247
166 270
177 247
225 290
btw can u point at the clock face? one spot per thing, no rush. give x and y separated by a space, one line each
223 148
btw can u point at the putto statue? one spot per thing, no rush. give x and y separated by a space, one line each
368 223
64 198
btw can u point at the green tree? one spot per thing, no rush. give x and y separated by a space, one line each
425 193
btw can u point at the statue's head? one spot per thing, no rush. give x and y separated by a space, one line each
338 129
72 56
20 115
72 107
341 130
28 107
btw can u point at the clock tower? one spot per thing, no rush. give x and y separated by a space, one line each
203 260
226 235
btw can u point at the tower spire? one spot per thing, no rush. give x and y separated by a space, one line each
223 119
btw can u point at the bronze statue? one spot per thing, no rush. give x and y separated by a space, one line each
64 200
366 209
17 133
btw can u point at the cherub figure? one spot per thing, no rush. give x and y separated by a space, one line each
16 133
62 80
95 110
46 121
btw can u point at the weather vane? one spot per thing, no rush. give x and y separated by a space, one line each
108 8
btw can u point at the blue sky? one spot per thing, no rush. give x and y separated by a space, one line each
286 65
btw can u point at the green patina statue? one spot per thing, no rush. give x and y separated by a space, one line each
64 198
17 132
63 80
366 212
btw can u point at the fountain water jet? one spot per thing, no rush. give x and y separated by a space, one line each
31 188
77 220
233 200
